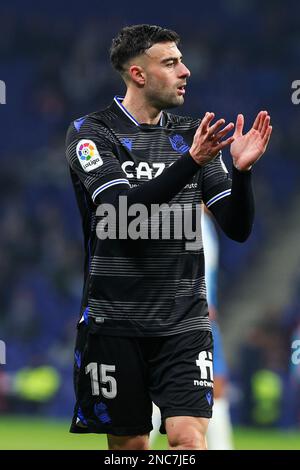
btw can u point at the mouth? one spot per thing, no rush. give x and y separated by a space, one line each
181 90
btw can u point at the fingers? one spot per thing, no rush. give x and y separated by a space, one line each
207 140
205 122
265 125
223 144
267 136
215 126
224 131
239 125
204 127
259 120
264 128
264 114
212 135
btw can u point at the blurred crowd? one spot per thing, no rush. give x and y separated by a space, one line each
56 69
266 383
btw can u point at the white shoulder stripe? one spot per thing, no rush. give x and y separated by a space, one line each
217 197
108 185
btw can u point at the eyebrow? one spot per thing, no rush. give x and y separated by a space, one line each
168 59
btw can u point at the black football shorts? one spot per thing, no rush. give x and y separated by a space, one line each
116 379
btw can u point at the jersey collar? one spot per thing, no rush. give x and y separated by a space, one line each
118 101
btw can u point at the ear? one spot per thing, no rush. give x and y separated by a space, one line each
137 74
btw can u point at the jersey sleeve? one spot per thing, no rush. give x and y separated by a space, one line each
216 182
90 154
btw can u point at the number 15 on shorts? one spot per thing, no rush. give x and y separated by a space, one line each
107 383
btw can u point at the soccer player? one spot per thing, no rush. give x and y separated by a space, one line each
144 333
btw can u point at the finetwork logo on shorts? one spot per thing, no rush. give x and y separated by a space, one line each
2 92
2 352
205 364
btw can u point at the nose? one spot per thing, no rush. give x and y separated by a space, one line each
184 71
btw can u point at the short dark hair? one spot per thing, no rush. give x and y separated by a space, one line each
133 41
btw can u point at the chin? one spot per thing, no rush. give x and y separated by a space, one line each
176 102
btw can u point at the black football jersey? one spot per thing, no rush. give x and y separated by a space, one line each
152 285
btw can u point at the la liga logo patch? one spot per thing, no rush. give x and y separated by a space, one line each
88 155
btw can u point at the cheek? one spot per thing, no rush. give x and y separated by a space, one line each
160 82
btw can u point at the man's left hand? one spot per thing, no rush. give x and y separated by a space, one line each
248 148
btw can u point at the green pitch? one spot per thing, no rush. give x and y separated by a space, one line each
26 433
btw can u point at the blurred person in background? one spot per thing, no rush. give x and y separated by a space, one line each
129 328
219 433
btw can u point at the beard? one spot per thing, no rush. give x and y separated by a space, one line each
164 99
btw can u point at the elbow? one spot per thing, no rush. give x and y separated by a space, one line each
241 238
240 234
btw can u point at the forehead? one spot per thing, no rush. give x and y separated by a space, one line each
163 50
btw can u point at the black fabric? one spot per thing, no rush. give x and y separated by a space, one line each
235 214
175 372
138 285
158 190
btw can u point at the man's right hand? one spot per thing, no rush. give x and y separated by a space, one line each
208 141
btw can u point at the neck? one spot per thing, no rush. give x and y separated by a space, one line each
140 109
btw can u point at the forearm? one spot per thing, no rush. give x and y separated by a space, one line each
158 190
235 213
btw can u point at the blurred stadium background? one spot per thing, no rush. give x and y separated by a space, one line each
244 56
